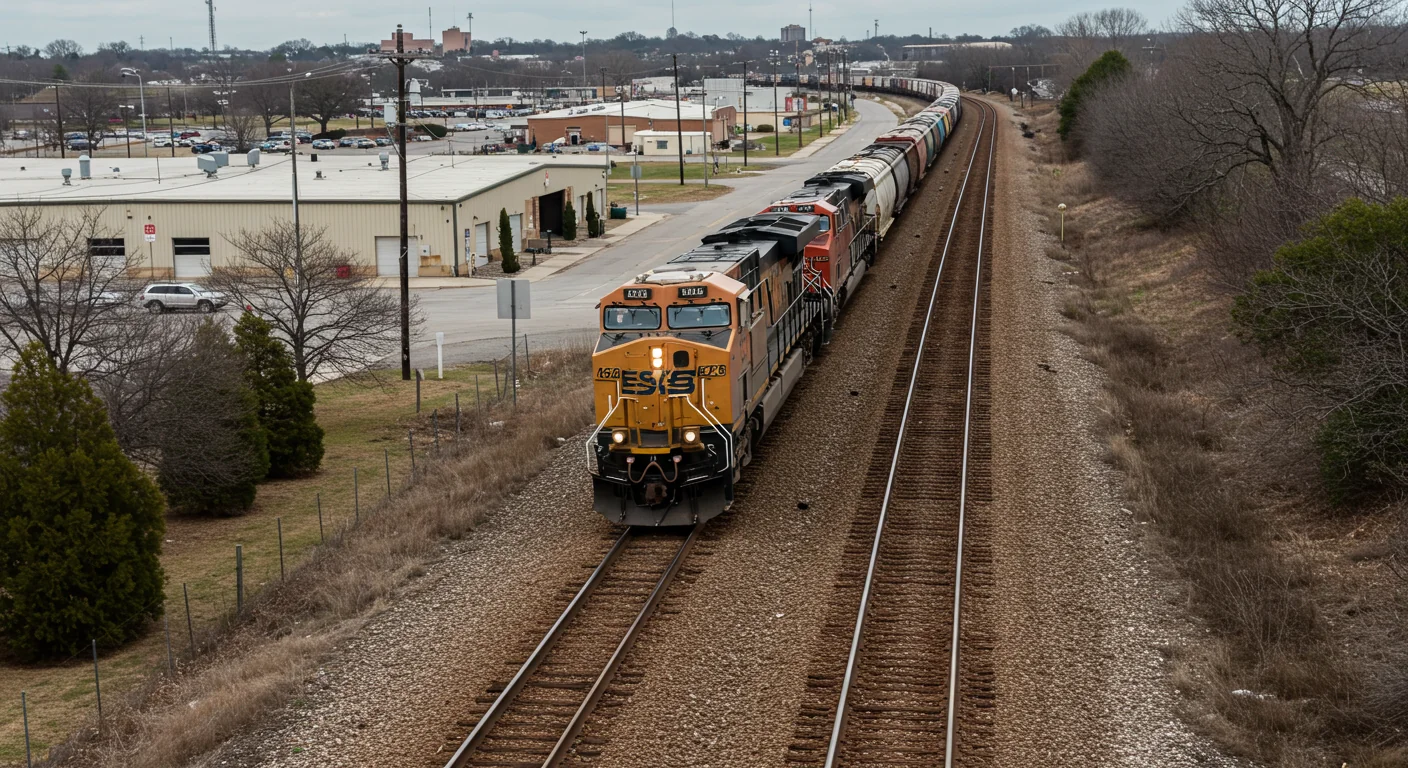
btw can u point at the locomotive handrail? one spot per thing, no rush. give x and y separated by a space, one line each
591 439
716 424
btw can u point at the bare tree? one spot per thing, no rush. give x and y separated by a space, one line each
1079 43
1120 28
267 100
63 283
325 98
1271 70
62 48
88 108
241 125
334 319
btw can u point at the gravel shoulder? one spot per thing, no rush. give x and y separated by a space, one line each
1081 608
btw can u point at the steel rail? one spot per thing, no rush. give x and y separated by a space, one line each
963 478
839 724
515 685
579 719
506 698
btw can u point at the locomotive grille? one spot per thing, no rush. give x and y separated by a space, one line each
654 438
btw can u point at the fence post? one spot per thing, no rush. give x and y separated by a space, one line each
386 454
418 390
97 685
321 538
477 409
356 497
190 630
498 394
280 522
412 441
435 428
24 707
457 413
166 627
239 579
527 361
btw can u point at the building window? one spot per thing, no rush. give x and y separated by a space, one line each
662 143
107 247
191 246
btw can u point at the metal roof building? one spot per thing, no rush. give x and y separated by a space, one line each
454 204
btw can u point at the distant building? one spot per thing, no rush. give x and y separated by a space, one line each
794 33
453 39
411 43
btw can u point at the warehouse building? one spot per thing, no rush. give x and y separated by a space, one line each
602 122
181 221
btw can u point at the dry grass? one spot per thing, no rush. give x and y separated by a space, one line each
1281 675
658 192
255 663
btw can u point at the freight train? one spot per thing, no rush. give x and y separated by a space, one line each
697 356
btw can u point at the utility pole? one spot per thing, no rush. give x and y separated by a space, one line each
679 129
776 126
583 33
59 115
745 113
297 229
704 124
801 102
606 121
401 58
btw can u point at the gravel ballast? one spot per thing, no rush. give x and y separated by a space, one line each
1080 613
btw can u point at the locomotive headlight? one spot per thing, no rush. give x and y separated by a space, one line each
657 357
691 436
618 436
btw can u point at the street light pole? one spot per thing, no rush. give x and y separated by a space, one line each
679 129
776 127
745 113
142 94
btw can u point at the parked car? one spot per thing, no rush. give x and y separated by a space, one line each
305 138
168 297
161 142
348 141
282 145
78 144
189 135
366 144
421 137
478 126
324 144
205 148
382 141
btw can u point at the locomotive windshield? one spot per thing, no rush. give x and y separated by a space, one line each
631 318
699 316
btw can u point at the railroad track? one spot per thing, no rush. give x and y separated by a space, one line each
905 692
534 718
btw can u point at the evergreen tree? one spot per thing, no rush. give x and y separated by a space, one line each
510 259
216 472
593 228
1110 66
569 222
285 403
80 525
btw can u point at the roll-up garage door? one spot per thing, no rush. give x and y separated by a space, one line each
192 266
388 256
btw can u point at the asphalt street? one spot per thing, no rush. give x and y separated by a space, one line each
563 305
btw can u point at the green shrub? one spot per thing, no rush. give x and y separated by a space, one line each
593 220
80 525
434 129
569 222
285 404
214 463
1330 314
764 128
337 134
1110 66
506 253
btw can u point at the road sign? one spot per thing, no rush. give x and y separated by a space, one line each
635 171
513 299
149 232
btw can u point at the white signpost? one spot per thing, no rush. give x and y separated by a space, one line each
514 303
149 232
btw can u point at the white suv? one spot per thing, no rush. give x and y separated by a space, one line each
166 297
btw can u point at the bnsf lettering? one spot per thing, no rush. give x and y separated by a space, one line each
657 383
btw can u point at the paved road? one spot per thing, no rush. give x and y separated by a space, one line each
564 304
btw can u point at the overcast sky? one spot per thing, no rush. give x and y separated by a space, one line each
264 23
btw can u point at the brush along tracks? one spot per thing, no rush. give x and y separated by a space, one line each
897 691
536 716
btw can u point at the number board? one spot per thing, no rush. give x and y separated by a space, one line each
637 293
694 291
